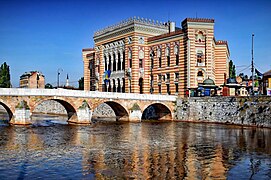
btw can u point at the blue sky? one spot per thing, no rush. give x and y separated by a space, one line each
47 35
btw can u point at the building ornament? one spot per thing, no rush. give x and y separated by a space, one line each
141 54
141 40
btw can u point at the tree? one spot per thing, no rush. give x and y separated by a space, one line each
48 86
232 71
81 83
4 76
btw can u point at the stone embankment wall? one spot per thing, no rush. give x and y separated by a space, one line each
254 111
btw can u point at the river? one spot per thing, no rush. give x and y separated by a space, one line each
53 149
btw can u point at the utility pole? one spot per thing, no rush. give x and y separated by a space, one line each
58 73
252 66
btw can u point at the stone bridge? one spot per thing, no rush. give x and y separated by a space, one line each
20 103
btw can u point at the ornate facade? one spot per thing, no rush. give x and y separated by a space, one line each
144 56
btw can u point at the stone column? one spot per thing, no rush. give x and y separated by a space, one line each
83 115
22 115
117 61
121 85
135 113
121 60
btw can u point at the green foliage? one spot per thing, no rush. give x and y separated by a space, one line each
135 107
84 105
48 86
81 83
22 105
4 76
232 71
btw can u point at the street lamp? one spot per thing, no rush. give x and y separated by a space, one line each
58 73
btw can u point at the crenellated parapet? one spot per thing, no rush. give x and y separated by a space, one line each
127 22
129 25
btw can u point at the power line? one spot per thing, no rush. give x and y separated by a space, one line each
244 69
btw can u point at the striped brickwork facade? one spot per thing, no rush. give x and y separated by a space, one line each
89 69
188 56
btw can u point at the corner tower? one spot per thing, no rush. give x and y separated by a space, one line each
199 47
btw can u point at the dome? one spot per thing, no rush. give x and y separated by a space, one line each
208 82
231 81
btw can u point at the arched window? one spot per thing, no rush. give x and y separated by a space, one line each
200 37
199 57
200 74
167 53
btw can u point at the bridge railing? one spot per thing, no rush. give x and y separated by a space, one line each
86 94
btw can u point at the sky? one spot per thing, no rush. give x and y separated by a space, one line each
48 36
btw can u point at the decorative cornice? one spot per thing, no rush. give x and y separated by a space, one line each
129 25
221 42
134 20
87 49
205 20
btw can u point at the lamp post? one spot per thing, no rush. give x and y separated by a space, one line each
252 66
58 73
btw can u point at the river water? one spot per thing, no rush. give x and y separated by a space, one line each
52 149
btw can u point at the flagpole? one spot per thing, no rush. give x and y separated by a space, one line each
252 67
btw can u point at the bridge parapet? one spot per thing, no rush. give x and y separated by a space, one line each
84 94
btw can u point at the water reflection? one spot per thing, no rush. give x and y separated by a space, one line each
148 150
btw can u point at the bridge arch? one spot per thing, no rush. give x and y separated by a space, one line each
157 111
9 112
70 109
119 110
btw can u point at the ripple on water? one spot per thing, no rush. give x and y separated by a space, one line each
148 150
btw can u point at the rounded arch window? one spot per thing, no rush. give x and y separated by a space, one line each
200 74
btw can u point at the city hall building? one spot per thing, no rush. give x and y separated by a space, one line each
145 56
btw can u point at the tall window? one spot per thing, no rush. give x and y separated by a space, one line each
159 55
151 62
151 84
176 87
176 76
200 57
159 89
114 63
130 63
105 63
168 89
123 61
159 77
168 60
140 63
119 62
177 59
109 64
176 53
160 62
168 77
167 54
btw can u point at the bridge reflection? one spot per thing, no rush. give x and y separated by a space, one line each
141 150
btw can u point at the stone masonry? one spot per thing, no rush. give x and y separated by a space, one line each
255 111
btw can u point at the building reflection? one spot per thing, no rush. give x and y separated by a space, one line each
145 150
184 156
